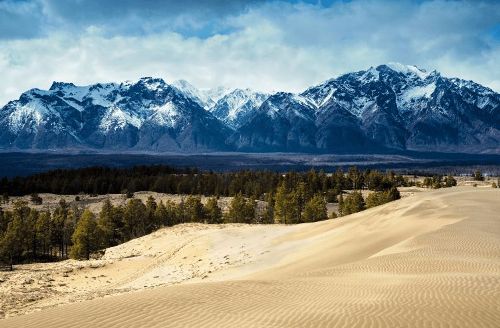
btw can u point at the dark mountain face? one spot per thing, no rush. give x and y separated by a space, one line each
149 115
282 123
388 107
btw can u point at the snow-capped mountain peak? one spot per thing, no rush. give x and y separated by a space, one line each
408 70
192 92
388 106
235 107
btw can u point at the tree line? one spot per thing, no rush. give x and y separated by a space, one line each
164 179
27 234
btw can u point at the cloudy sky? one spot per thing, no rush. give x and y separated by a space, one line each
265 45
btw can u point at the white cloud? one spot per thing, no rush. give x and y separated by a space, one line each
276 46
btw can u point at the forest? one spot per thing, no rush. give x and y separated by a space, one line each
164 179
70 230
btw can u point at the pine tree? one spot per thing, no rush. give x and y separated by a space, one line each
151 206
393 194
353 203
59 218
86 237
450 181
172 214
268 216
31 232
160 215
194 209
355 177
42 229
241 210
299 198
281 203
315 209
341 204
16 241
106 223
249 215
213 211
236 209
134 219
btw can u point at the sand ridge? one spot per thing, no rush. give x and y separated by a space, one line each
429 260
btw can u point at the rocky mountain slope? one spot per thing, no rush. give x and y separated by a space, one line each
391 106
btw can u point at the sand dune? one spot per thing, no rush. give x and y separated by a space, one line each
428 260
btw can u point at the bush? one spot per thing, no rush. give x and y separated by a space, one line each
450 181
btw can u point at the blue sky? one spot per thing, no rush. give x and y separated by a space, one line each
265 45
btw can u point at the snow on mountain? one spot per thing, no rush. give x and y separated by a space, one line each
408 70
195 94
206 97
114 116
26 117
117 118
388 106
166 115
235 107
215 94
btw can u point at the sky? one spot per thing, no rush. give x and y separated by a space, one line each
263 45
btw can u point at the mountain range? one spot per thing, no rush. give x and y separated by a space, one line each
390 107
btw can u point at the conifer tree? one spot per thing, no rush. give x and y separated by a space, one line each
160 215
315 209
341 204
194 209
151 206
15 242
42 229
134 219
31 232
86 237
59 218
241 210
268 216
108 224
236 209
353 203
282 211
213 211
450 181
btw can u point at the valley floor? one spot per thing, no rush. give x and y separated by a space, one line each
431 259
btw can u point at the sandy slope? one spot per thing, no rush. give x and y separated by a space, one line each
429 260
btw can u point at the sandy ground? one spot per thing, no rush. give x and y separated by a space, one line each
431 259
